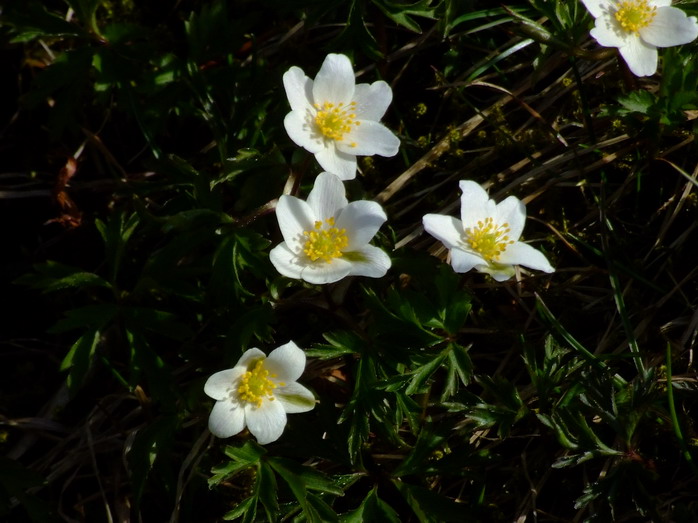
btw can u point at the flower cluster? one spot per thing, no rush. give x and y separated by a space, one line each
638 27
326 237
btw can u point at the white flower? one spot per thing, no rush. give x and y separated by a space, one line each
326 238
638 27
258 393
335 119
486 237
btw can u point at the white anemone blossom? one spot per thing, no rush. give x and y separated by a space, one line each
258 393
486 237
326 238
638 27
335 119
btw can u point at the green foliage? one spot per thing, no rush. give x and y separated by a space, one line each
441 396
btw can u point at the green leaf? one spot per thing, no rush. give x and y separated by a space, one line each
640 101
265 490
429 506
247 507
52 276
92 317
372 508
298 488
31 20
151 443
79 359
243 457
400 12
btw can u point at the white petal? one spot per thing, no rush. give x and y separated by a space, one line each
299 89
447 229
335 81
475 204
226 419
596 7
249 358
669 27
463 261
266 423
498 271
287 262
640 57
523 254
361 219
369 138
512 212
368 261
660 3
608 32
327 197
303 133
372 100
219 385
295 398
294 216
322 272
336 162
287 362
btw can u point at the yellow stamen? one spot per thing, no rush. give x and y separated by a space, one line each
488 239
633 15
325 243
334 121
255 385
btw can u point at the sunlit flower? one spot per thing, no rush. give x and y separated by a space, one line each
326 238
335 119
486 238
258 393
638 27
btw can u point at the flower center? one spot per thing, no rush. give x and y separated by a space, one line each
325 243
633 15
488 239
255 385
334 121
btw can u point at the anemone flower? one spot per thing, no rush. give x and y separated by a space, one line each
258 393
335 119
638 27
486 238
326 238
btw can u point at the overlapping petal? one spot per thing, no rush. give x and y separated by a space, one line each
372 100
287 362
337 162
447 229
369 138
294 216
226 419
327 197
335 81
369 261
266 423
361 219
295 398
322 273
670 27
